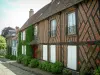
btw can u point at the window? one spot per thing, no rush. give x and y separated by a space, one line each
53 53
23 35
45 52
35 32
24 49
72 57
14 43
71 23
53 28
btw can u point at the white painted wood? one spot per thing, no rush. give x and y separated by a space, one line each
45 55
72 57
53 53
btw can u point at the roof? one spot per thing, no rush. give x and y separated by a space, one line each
48 10
34 17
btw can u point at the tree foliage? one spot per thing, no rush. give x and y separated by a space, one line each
2 43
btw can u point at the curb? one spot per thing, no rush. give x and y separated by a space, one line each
25 68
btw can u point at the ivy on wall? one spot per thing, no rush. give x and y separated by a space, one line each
29 37
19 51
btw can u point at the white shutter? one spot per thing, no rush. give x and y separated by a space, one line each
45 52
53 53
72 57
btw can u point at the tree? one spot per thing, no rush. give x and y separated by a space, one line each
2 43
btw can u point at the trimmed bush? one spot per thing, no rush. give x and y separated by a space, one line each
51 67
13 57
40 65
56 67
97 71
7 56
34 63
44 65
19 58
67 72
26 60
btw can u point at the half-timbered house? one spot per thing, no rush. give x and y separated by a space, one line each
67 31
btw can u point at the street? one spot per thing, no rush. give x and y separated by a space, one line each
8 69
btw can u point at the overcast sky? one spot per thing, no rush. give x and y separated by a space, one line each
15 12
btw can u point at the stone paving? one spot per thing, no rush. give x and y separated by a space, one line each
7 69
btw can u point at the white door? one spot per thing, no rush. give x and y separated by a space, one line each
72 57
53 53
45 52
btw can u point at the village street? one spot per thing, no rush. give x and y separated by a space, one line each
8 69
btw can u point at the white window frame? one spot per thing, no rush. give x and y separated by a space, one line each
72 57
24 49
53 53
45 52
72 23
53 28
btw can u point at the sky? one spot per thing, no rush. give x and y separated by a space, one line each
16 12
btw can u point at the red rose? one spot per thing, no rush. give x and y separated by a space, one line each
97 61
79 62
97 49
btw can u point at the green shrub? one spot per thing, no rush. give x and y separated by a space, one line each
26 60
51 67
56 67
67 72
97 71
34 63
19 58
42 65
45 66
7 56
48 66
13 57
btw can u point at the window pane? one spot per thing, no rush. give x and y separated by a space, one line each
53 27
23 35
71 23
70 20
35 30
74 19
